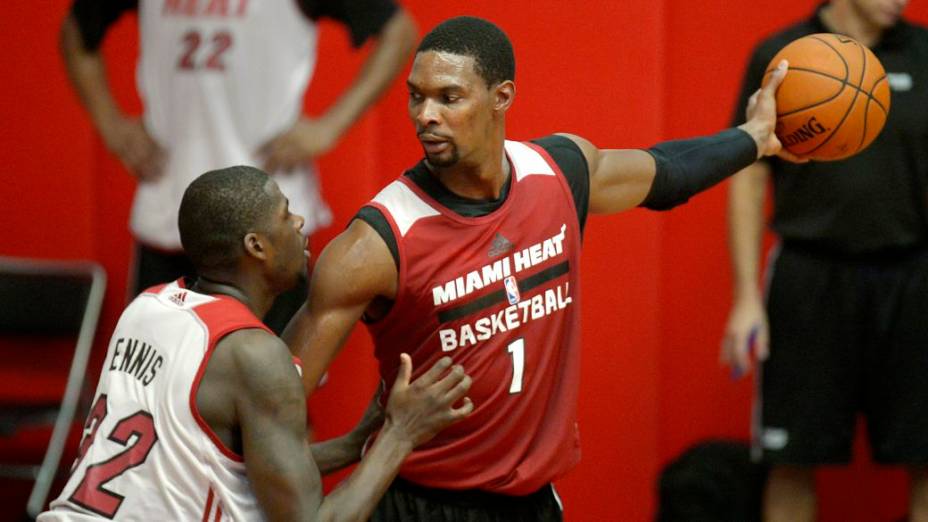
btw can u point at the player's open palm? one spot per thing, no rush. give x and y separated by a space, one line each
746 329
424 407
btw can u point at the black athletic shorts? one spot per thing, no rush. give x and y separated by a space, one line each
407 502
847 336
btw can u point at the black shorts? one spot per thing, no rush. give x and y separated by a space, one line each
407 502
846 337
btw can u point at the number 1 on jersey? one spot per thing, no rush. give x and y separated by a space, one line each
517 350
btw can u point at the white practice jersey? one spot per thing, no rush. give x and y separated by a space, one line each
146 453
219 80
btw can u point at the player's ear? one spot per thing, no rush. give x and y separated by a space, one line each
255 245
504 93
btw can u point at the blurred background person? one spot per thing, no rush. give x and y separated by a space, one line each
848 282
222 83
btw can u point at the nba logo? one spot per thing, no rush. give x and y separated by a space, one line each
512 290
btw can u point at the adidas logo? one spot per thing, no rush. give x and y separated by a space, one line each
500 245
179 298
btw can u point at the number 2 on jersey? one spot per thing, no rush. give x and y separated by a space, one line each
517 350
219 43
90 493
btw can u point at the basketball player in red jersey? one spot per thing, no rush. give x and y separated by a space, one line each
200 414
474 253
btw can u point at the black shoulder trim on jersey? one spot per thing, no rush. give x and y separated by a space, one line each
570 160
94 17
466 207
363 18
375 218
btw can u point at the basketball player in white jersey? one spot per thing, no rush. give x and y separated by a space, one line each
223 83
200 413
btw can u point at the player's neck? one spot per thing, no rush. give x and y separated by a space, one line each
482 181
842 17
220 285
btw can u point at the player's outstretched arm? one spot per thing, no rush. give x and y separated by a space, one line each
124 136
355 268
670 173
416 412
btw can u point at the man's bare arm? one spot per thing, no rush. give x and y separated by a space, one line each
416 412
623 179
124 136
745 231
334 454
311 137
355 268
270 409
392 49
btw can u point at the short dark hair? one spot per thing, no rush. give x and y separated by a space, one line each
480 39
218 209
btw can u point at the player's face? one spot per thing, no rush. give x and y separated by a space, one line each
880 13
451 107
288 254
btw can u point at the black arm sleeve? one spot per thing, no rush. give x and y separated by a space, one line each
570 160
363 18
687 167
94 17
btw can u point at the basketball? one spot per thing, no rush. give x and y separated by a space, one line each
834 100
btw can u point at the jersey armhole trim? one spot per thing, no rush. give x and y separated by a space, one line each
400 269
563 181
214 338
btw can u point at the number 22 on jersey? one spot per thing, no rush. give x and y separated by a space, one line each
136 433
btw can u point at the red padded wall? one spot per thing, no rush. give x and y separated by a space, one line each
623 74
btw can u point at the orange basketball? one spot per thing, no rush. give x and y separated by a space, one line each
834 100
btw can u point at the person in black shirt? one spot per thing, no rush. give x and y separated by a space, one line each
844 328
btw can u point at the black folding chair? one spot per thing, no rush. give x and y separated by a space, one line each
48 312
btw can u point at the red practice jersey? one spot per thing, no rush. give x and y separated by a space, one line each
500 294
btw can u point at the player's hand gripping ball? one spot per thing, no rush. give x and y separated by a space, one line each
834 100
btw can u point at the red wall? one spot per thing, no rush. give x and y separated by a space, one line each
623 74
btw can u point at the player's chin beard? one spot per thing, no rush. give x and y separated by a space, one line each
444 162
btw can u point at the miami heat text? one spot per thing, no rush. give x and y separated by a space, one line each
500 269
